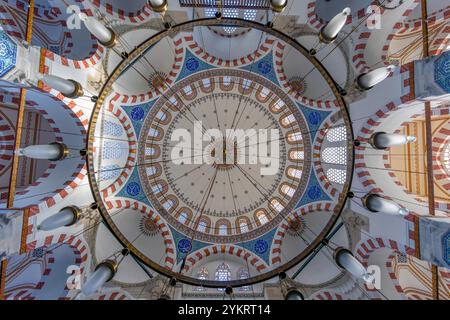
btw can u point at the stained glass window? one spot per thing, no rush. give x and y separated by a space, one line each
223 272
243 274
202 274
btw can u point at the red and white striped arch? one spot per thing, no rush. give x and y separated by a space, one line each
113 10
132 152
156 92
25 290
363 37
280 233
49 115
77 242
226 249
327 295
441 140
328 186
12 25
279 54
95 58
318 23
157 219
193 46
366 247
7 136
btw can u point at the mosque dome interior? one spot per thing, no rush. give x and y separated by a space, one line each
210 150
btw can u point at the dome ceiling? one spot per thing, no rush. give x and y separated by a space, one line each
175 152
204 148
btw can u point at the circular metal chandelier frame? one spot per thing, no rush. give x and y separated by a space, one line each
142 49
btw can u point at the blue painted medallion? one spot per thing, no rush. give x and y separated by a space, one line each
314 192
8 52
184 246
133 189
192 64
137 113
446 248
442 71
314 118
261 246
264 67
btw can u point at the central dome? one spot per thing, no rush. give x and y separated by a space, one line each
232 183
219 157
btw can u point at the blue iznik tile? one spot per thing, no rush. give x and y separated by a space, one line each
261 246
137 115
192 65
313 192
8 53
264 67
183 244
446 248
442 71
133 189
314 118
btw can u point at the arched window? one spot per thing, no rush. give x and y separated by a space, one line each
246 84
243 274
223 230
294 173
295 136
287 190
202 226
168 204
243 226
296 155
250 14
276 205
277 106
202 274
157 188
223 273
188 90
262 217
447 158
183 217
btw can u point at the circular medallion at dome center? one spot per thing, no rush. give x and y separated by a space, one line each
222 156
